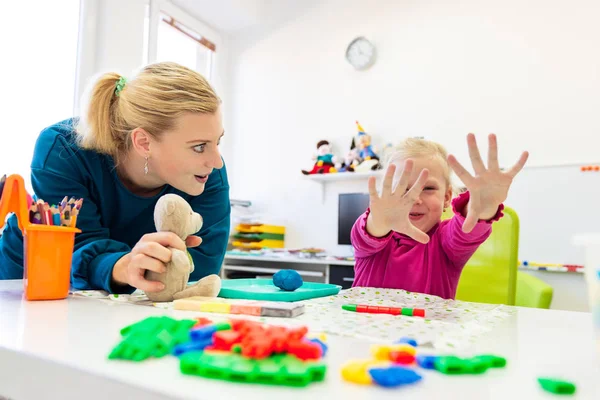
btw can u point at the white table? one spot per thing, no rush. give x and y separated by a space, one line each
58 349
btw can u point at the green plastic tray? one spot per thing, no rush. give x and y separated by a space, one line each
263 289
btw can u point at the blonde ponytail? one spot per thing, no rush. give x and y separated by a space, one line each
95 127
152 100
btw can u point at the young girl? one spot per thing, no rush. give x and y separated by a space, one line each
400 242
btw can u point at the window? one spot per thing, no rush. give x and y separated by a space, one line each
39 70
179 43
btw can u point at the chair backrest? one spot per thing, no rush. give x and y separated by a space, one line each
490 275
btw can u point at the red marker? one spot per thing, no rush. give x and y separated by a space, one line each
411 312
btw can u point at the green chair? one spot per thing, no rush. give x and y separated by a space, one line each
532 292
490 276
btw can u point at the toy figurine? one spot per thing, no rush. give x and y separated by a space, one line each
369 160
365 150
351 160
325 160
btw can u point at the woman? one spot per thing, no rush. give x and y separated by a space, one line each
136 141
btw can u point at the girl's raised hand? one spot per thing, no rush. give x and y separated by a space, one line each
489 187
390 210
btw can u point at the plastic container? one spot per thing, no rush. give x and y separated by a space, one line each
47 249
591 243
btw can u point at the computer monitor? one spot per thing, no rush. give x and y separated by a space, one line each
350 207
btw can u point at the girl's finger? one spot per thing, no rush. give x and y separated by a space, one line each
387 180
476 160
417 234
373 190
459 170
470 221
415 191
493 153
515 169
404 177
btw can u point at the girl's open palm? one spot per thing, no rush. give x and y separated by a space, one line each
390 210
489 187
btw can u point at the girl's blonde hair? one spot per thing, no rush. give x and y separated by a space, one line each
152 100
421 148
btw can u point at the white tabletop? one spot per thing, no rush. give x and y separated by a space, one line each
58 349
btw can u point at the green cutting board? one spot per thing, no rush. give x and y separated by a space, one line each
263 289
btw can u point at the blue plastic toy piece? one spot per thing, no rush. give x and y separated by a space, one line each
426 362
196 345
407 340
394 376
287 279
203 333
320 343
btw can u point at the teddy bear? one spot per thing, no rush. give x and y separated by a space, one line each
173 214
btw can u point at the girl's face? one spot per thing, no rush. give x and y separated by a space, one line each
436 195
187 154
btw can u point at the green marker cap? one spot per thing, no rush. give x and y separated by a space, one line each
349 307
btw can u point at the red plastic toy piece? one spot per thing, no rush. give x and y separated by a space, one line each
202 322
305 350
223 340
402 357
257 347
298 333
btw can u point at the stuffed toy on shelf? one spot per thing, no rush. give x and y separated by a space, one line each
324 160
173 214
369 160
352 159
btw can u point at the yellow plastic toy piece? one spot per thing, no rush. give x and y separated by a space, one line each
357 371
407 348
223 308
382 352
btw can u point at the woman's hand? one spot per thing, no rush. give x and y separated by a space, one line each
489 187
150 253
391 210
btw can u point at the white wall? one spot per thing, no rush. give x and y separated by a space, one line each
113 40
520 69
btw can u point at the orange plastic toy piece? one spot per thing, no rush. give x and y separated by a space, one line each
47 249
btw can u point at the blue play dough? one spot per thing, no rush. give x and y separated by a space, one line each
287 279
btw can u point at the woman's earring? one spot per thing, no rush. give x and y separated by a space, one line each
146 165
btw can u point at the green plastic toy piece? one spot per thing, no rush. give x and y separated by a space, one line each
476 365
451 365
492 360
223 326
280 369
557 386
151 337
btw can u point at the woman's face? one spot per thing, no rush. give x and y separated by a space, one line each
187 154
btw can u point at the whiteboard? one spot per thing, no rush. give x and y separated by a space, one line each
554 204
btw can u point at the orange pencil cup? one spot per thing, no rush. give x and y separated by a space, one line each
47 249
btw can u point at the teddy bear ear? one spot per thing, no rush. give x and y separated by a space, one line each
170 207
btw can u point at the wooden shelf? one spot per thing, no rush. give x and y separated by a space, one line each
323 179
344 176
